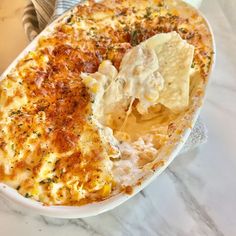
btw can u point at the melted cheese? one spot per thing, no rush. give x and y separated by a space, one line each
141 77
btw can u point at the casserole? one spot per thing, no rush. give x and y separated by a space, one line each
179 130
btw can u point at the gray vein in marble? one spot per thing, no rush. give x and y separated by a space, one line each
197 211
222 108
8 208
143 193
53 221
157 226
165 227
224 86
81 223
187 176
117 218
84 225
128 217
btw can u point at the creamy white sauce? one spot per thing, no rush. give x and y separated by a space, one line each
155 72
128 169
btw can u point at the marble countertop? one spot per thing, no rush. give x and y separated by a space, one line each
196 195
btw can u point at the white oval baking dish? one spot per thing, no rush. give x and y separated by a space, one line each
91 209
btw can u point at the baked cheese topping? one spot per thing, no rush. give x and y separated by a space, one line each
86 112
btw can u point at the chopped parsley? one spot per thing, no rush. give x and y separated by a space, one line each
47 181
69 20
134 37
17 112
37 133
148 13
27 195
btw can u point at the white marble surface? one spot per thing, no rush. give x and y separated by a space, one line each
196 195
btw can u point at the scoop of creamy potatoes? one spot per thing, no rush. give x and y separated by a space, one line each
155 71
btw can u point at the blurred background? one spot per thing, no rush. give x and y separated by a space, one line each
13 38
